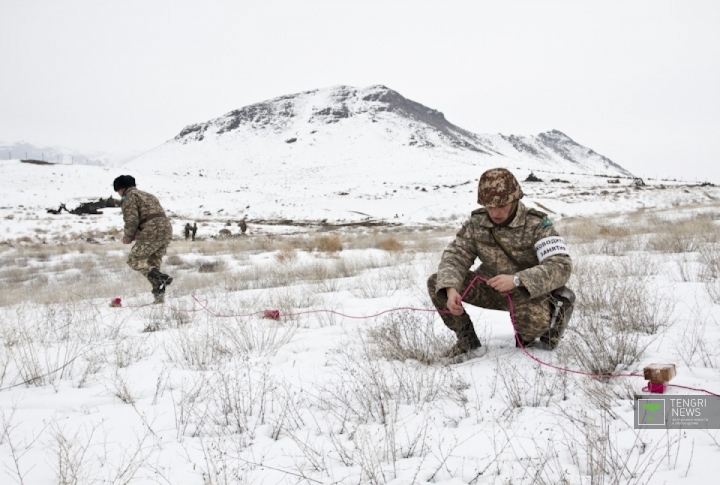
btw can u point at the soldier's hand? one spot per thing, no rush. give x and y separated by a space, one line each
454 302
126 240
502 283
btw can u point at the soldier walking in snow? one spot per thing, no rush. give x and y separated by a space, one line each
193 230
187 231
521 253
147 225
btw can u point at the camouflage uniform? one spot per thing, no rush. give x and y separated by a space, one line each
519 234
147 225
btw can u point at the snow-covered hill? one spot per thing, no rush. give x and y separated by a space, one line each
345 132
332 156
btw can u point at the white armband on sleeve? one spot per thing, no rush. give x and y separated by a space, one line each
550 246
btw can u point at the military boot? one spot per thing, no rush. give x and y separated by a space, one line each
562 305
467 340
159 280
525 343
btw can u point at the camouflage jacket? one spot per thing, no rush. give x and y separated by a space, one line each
530 238
144 217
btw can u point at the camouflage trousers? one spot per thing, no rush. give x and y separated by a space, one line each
532 316
147 255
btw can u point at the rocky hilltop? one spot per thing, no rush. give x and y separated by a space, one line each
348 154
319 117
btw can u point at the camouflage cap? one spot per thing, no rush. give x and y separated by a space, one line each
498 187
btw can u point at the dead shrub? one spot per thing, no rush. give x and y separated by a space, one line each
288 299
214 266
713 289
684 236
709 258
16 276
390 243
409 335
328 244
614 316
687 270
673 241
168 316
596 348
615 246
612 231
579 230
286 255
174 260
519 386
367 390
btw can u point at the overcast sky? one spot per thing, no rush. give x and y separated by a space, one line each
638 82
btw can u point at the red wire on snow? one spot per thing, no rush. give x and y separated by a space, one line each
275 314
564 369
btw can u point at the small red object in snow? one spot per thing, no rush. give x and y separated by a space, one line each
657 387
274 314
115 302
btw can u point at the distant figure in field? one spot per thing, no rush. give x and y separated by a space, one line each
243 226
147 225
86 208
59 210
522 256
193 230
187 230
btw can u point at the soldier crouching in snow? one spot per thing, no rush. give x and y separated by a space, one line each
521 253
147 225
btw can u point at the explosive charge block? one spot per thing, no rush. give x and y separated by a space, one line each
658 375
272 314
659 372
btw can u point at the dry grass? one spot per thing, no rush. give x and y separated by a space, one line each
328 244
669 232
390 244
211 266
43 272
410 335
286 255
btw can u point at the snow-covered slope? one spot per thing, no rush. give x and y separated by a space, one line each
343 131
339 155
286 199
334 153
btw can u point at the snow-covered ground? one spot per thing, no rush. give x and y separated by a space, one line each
435 194
205 390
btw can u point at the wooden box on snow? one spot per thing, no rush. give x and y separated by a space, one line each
659 372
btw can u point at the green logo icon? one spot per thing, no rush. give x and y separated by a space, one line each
650 412
652 408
